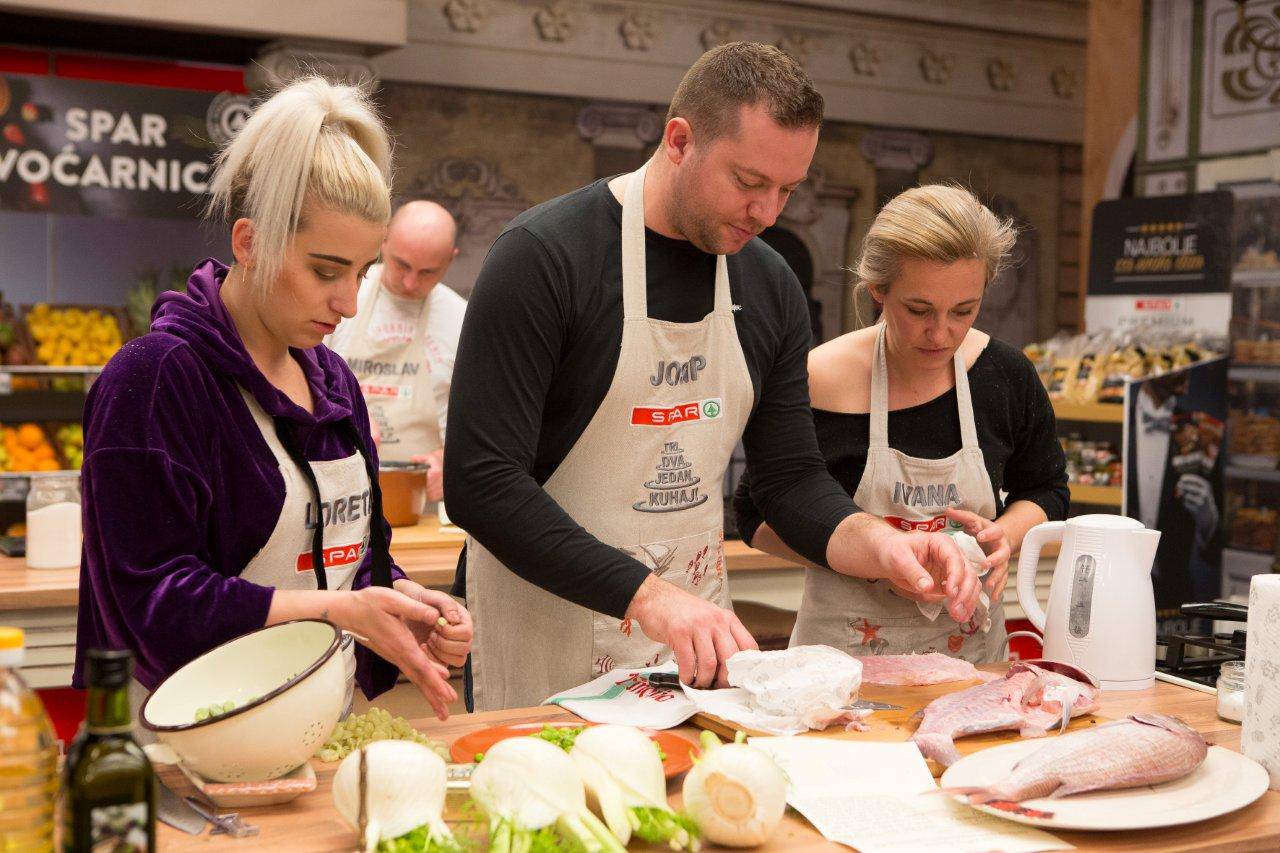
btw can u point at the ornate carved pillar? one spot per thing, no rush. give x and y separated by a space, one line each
818 214
621 135
898 157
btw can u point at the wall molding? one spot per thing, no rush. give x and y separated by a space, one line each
881 63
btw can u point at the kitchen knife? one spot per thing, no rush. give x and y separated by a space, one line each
175 811
671 681
228 824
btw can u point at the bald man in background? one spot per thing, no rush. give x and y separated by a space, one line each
402 342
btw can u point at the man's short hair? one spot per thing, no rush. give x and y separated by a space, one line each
731 76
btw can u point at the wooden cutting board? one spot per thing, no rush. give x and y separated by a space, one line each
896 725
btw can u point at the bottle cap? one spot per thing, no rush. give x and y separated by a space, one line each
12 638
12 646
109 667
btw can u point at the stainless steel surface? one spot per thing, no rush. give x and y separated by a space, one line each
176 812
227 824
868 705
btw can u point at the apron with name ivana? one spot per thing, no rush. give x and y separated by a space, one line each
864 617
646 476
387 352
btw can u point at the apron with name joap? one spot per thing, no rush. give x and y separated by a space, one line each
645 477
865 617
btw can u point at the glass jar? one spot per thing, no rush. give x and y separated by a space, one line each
1231 691
53 520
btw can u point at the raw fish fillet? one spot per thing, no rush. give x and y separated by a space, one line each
918 670
1028 698
1142 749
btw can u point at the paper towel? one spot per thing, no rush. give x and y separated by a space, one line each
975 557
1260 738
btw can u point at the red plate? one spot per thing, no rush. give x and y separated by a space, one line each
680 751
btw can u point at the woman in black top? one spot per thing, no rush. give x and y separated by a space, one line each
966 432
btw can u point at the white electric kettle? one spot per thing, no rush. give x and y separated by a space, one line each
1102 609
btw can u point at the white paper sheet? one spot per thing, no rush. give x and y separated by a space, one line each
624 698
876 797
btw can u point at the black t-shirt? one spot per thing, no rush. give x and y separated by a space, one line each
537 353
1016 431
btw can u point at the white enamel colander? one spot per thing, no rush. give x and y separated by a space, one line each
288 682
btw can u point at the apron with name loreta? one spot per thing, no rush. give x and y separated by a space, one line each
865 617
335 529
387 352
646 476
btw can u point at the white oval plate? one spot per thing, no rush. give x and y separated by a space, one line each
1225 782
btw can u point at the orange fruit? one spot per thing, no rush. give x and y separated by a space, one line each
48 465
30 436
44 451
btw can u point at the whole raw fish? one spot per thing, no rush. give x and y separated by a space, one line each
918 670
1142 749
1029 698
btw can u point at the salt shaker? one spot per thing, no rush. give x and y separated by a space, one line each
1231 691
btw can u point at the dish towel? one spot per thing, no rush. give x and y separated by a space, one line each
1260 738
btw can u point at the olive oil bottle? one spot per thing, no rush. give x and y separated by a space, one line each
109 786
28 757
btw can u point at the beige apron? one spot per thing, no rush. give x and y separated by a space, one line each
285 561
389 358
865 617
645 477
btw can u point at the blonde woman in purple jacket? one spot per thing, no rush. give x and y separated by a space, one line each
229 477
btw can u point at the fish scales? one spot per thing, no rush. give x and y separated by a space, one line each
1142 749
1028 698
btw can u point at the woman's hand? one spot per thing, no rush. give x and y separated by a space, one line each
995 544
451 643
381 619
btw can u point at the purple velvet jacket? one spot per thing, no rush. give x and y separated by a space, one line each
180 489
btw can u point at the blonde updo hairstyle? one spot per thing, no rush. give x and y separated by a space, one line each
943 223
311 143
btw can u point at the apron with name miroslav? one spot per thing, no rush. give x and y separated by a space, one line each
285 561
390 361
645 477
866 617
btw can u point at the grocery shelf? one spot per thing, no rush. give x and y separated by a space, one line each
1242 561
1101 413
1097 495
1254 460
50 370
1254 373
1256 278
1261 475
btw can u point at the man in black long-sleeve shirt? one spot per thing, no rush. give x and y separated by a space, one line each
539 365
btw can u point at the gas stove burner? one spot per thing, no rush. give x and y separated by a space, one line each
1221 647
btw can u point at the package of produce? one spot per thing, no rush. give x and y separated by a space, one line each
1090 371
1123 363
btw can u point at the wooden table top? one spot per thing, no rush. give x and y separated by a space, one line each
425 553
311 823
